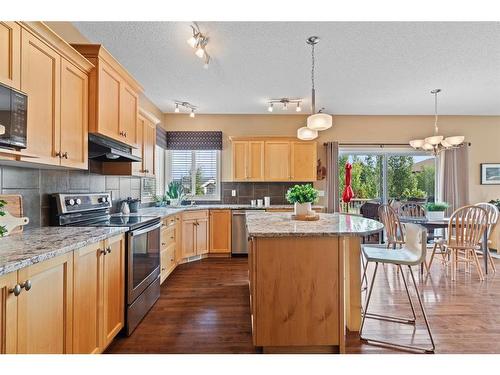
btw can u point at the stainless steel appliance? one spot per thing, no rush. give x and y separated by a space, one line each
13 117
143 246
239 238
109 150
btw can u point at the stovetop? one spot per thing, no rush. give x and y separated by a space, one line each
119 220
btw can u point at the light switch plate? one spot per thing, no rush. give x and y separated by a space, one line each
233 193
321 193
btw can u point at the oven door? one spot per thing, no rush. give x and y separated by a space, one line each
143 259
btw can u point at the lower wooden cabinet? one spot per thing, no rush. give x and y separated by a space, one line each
195 235
220 231
8 314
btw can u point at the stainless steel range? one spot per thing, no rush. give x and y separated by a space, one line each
143 245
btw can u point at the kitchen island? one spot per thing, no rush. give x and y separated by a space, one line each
305 280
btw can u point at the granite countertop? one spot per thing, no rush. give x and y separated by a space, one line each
167 211
269 224
36 245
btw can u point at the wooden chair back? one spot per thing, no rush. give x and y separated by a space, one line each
467 225
411 209
493 214
390 219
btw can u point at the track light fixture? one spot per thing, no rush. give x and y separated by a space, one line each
285 102
199 41
192 108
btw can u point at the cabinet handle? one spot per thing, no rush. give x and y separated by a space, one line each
65 155
172 237
103 252
16 290
108 249
125 133
26 285
163 244
58 154
163 269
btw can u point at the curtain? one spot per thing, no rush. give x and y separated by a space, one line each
332 177
454 185
194 140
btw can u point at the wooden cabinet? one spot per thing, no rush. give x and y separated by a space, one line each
170 245
74 116
148 147
114 96
303 161
248 160
195 239
8 314
10 54
220 231
113 289
273 159
44 311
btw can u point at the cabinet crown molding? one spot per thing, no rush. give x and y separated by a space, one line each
269 139
149 116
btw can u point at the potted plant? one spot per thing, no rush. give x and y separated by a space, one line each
496 202
160 200
435 211
175 193
302 197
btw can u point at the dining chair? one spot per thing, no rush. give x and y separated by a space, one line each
395 234
411 209
493 214
412 253
465 231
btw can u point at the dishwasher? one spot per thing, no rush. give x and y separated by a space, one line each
239 238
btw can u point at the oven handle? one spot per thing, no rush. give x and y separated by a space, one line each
144 230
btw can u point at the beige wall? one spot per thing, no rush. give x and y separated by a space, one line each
71 34
482 131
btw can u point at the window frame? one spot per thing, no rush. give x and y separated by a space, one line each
168 175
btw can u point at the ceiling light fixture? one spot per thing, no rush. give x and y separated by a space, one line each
306 134
186 105
284 102
437 143
316 121
199 42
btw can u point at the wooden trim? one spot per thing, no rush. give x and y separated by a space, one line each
268 138
149 116
45 33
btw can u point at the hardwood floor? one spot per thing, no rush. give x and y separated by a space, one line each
204 308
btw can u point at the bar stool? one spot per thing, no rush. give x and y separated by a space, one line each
412 253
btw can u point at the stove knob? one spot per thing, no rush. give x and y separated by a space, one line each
102 199
70 202
78 201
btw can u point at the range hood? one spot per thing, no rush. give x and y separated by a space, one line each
105 149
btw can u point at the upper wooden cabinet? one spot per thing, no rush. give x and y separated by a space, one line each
114 96
273 159
148 149
10 54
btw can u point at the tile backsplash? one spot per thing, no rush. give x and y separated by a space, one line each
35 186
246 191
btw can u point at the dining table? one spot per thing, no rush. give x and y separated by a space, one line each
444 223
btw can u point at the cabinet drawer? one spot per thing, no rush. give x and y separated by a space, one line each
170 221
167 237
190 215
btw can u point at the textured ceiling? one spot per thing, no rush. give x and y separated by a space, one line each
371 68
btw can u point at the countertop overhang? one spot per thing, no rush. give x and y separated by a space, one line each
270 224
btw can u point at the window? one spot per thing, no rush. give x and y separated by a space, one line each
389 174
197 170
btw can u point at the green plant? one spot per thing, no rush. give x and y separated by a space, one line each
496 202
3 230
414 193
175 190
437 206
302 194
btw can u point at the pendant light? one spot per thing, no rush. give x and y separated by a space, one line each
437 143
306 134
316 121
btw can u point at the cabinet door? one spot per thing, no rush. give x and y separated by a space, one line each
149 144
113 314
138 167
240 160
178 238
44 324
303 161
41 81
220 231
109 102
188 238
256 160
277 160
128 115
10 54
74 116
202 236
87 296
8 314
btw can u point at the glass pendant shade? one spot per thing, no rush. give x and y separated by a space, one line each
200 52
445 143
455 140
417 143
434 140
306 134
319 121
192 41
428 147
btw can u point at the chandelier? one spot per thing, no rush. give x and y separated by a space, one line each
316 121
437 143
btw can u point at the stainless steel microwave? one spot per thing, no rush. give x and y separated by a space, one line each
13 117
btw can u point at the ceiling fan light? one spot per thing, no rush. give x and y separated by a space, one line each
306 134
455 140
319 121
417 143
427 147
434 140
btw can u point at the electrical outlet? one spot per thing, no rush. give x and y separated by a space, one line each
321 193
233 193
